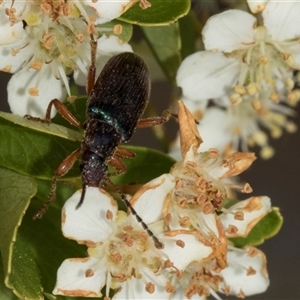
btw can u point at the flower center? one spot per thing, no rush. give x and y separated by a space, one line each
129 253
196 188
198 279
264 64
61 45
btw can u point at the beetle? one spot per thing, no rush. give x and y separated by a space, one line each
114 108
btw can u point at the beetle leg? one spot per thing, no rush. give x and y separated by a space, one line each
61 109
92 70
153 121
64 167
122 152
117 163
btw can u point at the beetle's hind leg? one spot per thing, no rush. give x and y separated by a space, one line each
117 163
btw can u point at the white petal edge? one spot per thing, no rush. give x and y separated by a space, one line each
229 31
253 209
89 223
205 75
72 280
22 103
282 19
235 275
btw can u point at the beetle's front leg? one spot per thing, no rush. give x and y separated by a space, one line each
61 109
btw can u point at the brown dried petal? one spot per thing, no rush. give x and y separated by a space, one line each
189 135
238 162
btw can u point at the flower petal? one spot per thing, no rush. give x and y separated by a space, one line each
149 200
91 222
246 273
184 248
11 33
80 277
251 211
30 91
13 56
107 46
215 129
107 10
282 19
229 31
136 289
204 75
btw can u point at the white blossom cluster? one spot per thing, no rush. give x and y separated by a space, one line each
247 72
42 42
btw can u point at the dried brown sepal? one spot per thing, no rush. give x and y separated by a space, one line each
189 135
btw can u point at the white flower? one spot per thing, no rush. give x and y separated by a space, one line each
43 43
246 59
189 197
246 72
36 12
120 250
227 269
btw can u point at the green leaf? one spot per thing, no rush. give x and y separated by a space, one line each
165 43
52 128
24 278
33 148
126 33
145 166
5 293
160 13
15 193
266 228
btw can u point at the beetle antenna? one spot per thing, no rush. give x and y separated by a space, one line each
157 243
82 196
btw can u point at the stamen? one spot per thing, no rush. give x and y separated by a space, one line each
63 77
